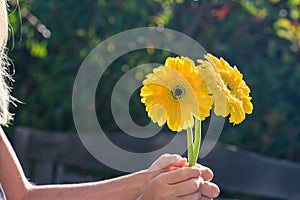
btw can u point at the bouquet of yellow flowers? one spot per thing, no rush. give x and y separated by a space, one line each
182 95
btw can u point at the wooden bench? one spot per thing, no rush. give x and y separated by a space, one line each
44 156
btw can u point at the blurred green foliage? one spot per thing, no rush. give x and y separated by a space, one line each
50 39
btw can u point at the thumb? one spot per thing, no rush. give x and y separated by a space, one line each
168 161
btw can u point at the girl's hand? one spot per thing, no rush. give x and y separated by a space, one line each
167 163
180 184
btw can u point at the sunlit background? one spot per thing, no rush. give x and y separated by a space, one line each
50 39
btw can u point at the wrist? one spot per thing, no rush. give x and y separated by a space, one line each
150 174
147 176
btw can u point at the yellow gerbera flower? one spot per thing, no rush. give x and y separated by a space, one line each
174 93
229 91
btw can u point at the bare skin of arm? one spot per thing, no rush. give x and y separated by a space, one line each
11 173
17 187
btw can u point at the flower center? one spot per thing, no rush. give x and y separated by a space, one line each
230 87
178 92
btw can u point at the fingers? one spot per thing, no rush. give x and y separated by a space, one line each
170 185
194 196
205 198
209 190
168 162
187 187
185 182
179 163
182 174
206 173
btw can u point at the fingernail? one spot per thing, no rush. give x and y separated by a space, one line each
201 181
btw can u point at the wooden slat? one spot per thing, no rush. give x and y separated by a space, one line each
21 141
59 148
235 170
43 173
250 173
67 149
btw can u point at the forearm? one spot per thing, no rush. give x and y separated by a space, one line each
12 177
124 187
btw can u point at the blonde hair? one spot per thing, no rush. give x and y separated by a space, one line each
5 98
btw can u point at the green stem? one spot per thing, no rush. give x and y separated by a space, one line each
190 146
197 141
